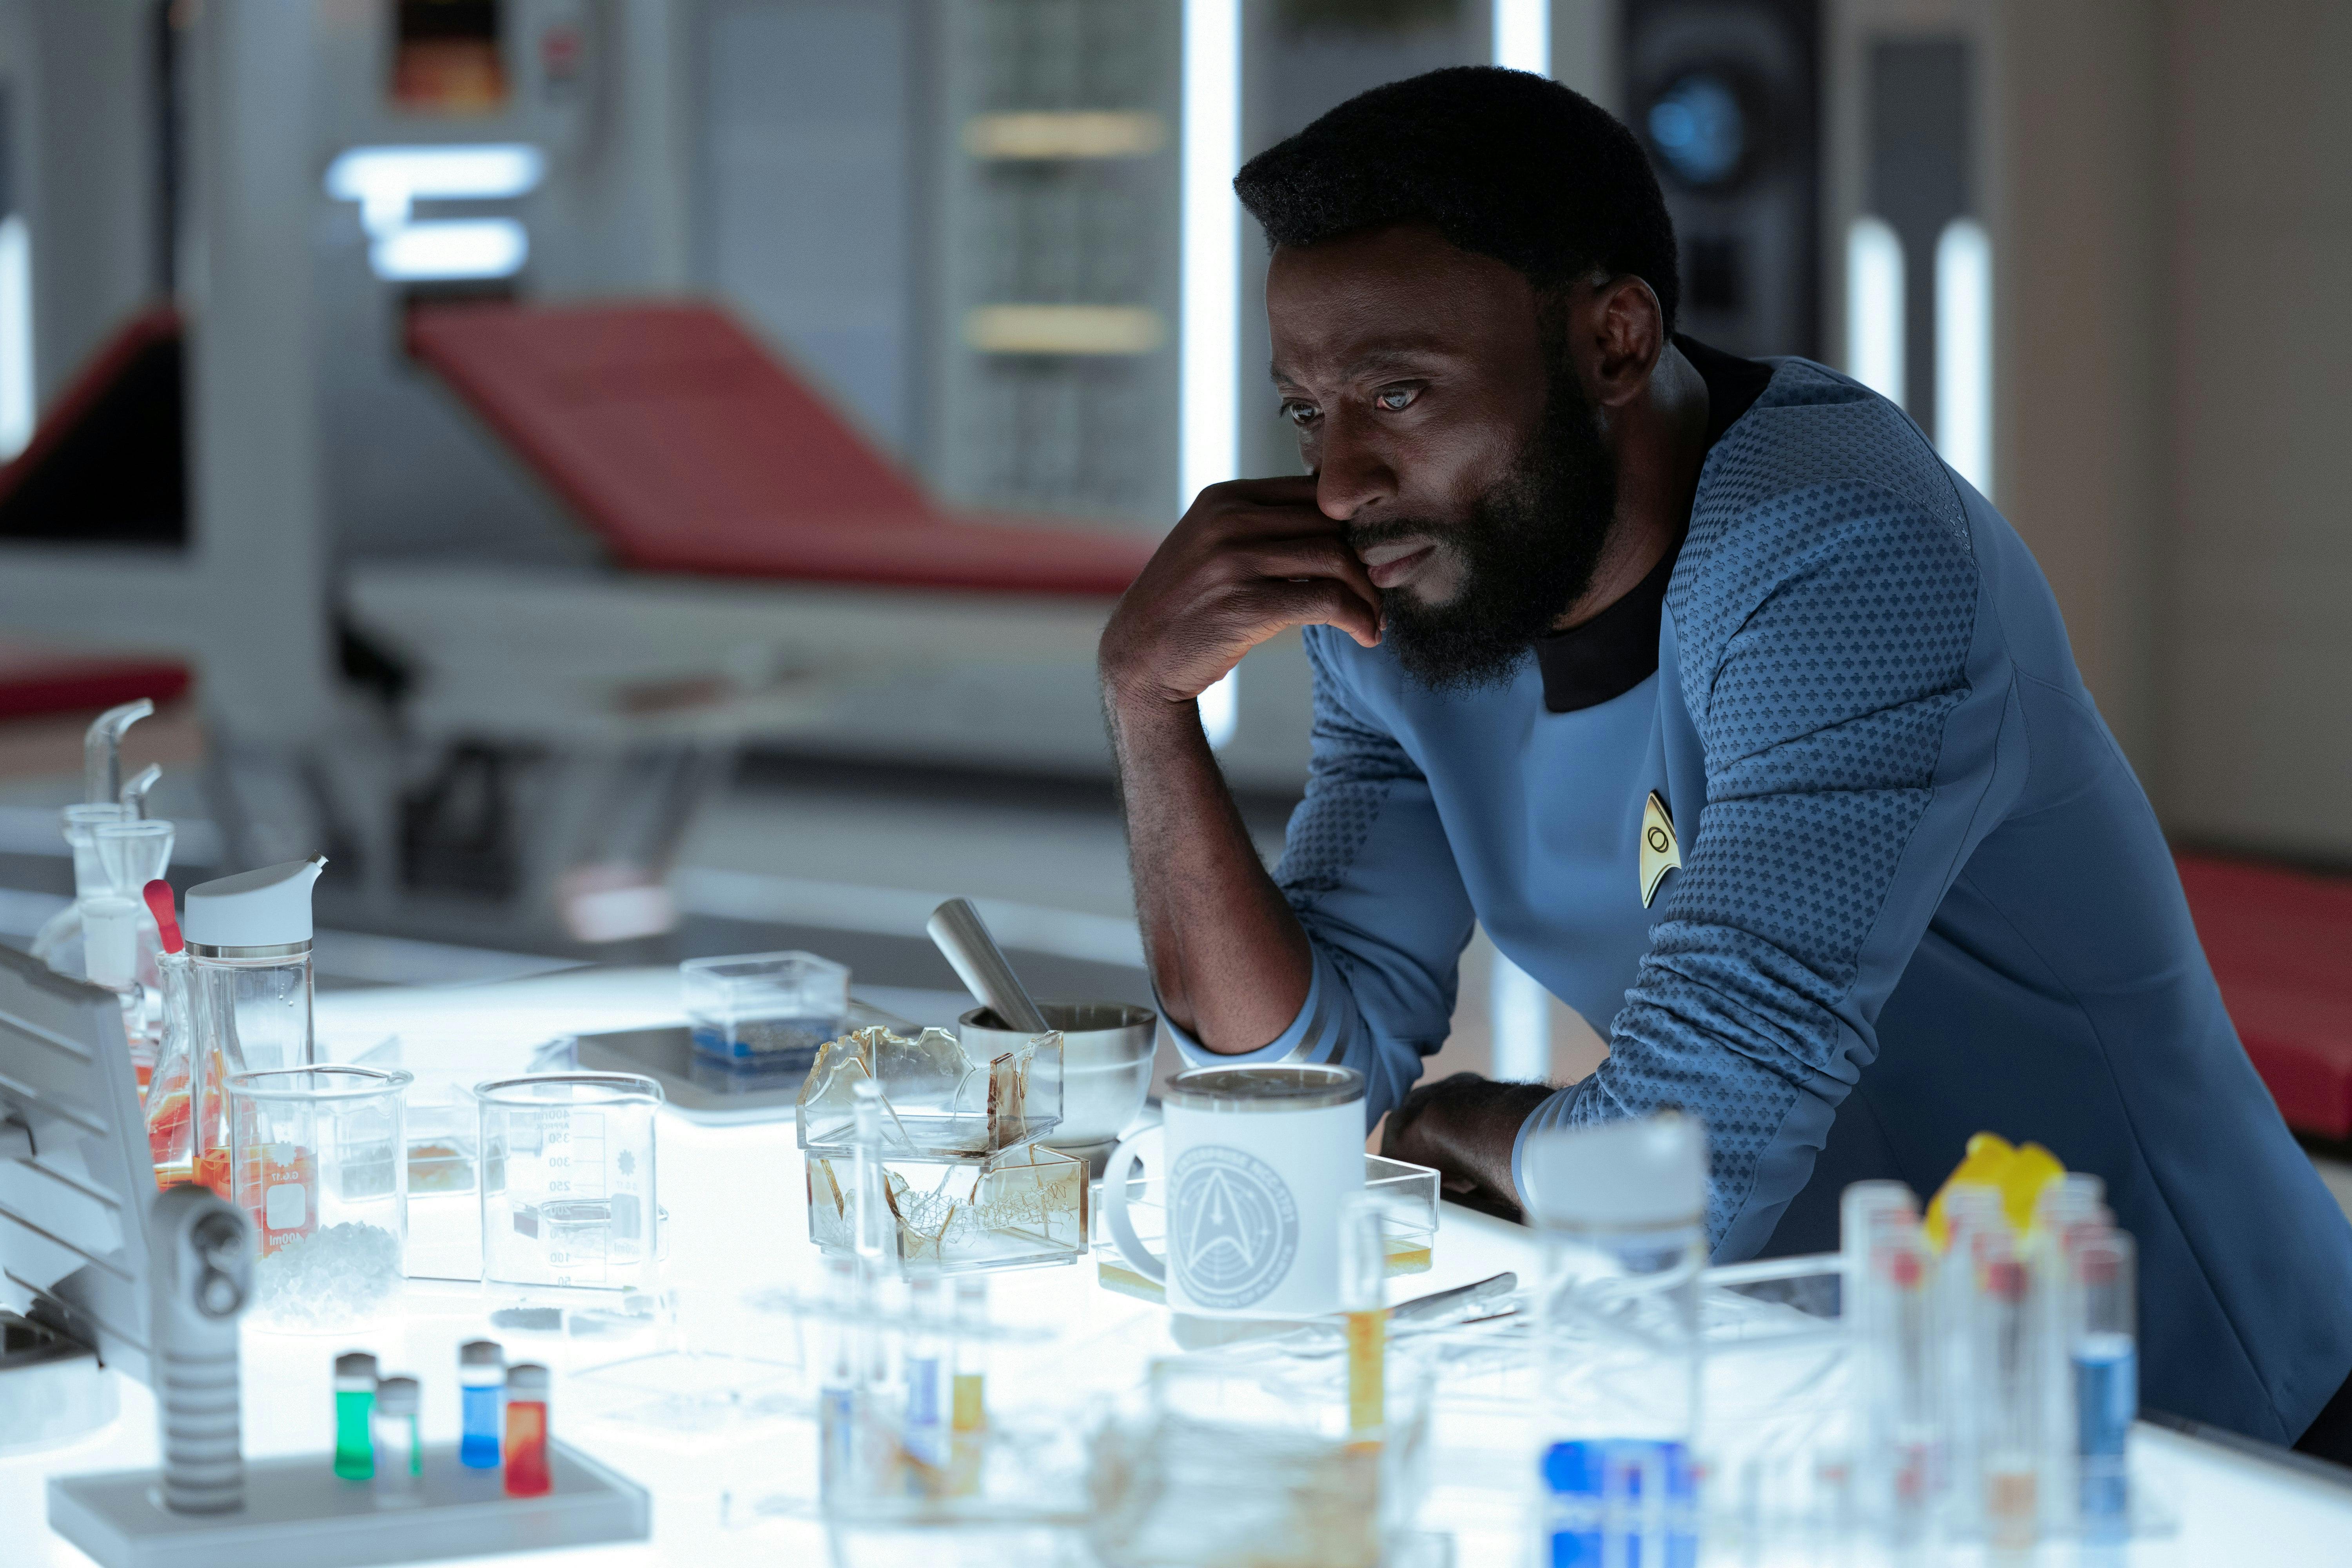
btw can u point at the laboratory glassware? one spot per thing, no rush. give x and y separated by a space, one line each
772 1008
60 941
2104 1356
569 1198
316 1156
526 1430
355 1383
2005 1327
1107 1052
399 1451
248 940
942 1100
1623 1213
133 853
1363 1287
1258 1159
481 1383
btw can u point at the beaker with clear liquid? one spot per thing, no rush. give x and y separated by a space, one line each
568 1194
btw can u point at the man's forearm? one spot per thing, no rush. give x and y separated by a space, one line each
1229 959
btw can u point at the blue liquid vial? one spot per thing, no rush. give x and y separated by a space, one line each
482 1383
2107 1400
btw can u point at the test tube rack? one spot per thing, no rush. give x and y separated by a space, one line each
298 1514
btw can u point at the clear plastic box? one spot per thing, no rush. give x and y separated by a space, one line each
937 1103
1020 1207
764 1006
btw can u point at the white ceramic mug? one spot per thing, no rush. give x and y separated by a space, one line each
1254 1163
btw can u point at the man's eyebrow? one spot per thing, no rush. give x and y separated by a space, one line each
1376 361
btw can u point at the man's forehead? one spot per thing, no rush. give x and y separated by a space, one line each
1357 304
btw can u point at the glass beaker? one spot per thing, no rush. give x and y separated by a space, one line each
568 1195
318 1158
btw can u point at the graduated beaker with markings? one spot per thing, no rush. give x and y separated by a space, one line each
567 1182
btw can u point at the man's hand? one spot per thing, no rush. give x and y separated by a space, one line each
1251 557
1465 1127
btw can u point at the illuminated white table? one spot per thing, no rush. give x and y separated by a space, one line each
735 1200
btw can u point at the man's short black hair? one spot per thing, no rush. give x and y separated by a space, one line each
1499 161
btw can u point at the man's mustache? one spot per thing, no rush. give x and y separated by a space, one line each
1362 536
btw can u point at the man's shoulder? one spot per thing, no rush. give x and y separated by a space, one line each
1819 471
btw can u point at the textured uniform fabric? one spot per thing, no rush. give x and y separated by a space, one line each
1921 894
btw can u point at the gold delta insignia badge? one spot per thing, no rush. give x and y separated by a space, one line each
1660 853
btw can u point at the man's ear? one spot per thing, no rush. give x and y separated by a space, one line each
1623 333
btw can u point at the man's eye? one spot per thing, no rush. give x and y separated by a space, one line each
1300 414
1396 399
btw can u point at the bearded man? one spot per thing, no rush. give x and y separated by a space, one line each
1736 717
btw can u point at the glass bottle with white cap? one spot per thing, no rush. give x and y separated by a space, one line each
249 942
1622 1210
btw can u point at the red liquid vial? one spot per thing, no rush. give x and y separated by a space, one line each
526 1444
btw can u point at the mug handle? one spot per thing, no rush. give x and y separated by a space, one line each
1139 1257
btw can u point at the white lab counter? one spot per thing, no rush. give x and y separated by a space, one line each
734 1198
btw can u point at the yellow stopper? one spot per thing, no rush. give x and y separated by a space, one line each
2019 1173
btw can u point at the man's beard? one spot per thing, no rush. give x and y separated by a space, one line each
1527 551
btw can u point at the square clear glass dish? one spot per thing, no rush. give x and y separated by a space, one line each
937 1100
764 1006
1015 1208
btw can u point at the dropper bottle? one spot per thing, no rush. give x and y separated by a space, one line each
176 1092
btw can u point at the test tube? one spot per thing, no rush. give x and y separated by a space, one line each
1363 1286
926 1430
354 1415
971 1411
2009 1392
526 1443
837 1400
481 1381
399 1453
2105 1356
2066 1208
1969 1211
969 1416
1904 1380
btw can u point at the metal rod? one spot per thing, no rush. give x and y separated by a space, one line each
963 937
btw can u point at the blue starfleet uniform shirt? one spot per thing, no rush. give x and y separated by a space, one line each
1921 894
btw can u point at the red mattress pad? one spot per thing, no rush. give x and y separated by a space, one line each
2279 940
687 447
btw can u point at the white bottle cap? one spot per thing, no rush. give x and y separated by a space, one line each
1649 1171
268 908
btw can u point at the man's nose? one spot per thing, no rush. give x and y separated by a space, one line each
1352 473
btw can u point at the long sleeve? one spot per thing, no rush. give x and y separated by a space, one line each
1850 719
1367 872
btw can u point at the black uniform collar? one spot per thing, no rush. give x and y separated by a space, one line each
1617 649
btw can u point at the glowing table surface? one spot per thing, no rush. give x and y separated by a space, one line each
736 1224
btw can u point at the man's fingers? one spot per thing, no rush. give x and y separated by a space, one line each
1313 558
1321 600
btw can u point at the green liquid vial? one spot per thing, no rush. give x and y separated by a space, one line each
354 1417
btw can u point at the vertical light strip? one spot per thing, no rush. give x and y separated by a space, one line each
1873 307
1209 389
15 336
1523 36
1963 350
1208 446
1519 1011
